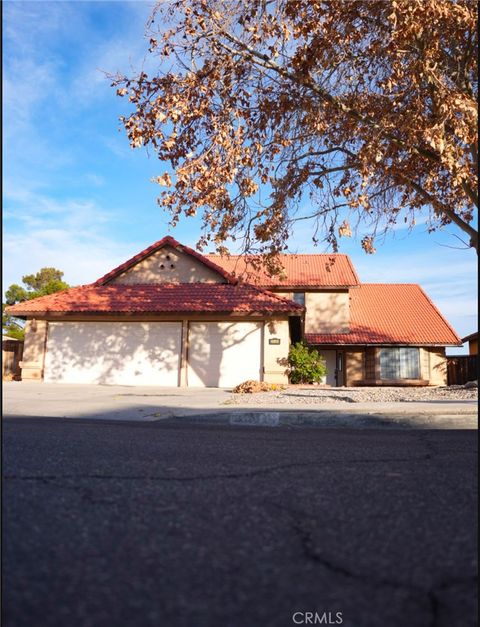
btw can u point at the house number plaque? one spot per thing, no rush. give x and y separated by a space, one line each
274 340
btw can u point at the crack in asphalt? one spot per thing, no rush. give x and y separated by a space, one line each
431 595
435 592
233 475
432 450
87 494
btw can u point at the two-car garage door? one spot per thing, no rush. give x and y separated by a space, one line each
149 353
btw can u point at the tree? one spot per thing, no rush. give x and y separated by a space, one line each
362 110
11 327
46 281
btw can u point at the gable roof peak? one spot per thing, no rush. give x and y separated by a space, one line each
167 240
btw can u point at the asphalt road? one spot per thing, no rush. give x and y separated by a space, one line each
167 524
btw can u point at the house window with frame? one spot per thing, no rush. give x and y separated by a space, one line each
299 298
399 363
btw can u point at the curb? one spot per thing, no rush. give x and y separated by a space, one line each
465 418
355 420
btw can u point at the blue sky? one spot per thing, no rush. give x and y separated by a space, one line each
78 198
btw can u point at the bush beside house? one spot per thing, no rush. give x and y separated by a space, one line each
306 364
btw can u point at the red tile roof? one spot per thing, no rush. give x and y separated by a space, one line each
299 271
159 298
391 314
165 241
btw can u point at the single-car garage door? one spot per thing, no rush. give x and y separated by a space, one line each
223 354
114 353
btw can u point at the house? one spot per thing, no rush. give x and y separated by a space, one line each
170 316
370 334
472 340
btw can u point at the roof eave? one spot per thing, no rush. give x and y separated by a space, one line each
216 312
309 286
387 343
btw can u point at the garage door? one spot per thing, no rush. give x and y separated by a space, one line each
223 354
131 353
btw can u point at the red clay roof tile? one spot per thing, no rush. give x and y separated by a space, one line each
322 270
391 314
159 298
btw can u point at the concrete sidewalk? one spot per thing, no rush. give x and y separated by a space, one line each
126 403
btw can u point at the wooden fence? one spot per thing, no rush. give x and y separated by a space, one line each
12 353
461 369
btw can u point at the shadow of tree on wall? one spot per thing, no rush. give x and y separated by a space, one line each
209 353
168 265
327 310
121 353
149 353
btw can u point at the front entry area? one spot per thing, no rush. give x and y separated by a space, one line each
334 363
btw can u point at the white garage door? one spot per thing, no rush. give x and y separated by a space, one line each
223 354
114 353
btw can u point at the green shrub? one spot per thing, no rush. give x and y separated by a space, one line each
306 364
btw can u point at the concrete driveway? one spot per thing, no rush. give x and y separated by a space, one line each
108 402
146 403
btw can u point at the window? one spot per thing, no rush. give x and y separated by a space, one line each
399 363
299 298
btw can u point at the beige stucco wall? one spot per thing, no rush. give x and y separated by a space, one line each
275 355
425 364
168 265
438 366
34 349
327 312
273 360
354 367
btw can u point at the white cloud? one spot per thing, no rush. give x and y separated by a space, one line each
95 179
72 236
118 146
126 51
44 83
50 76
